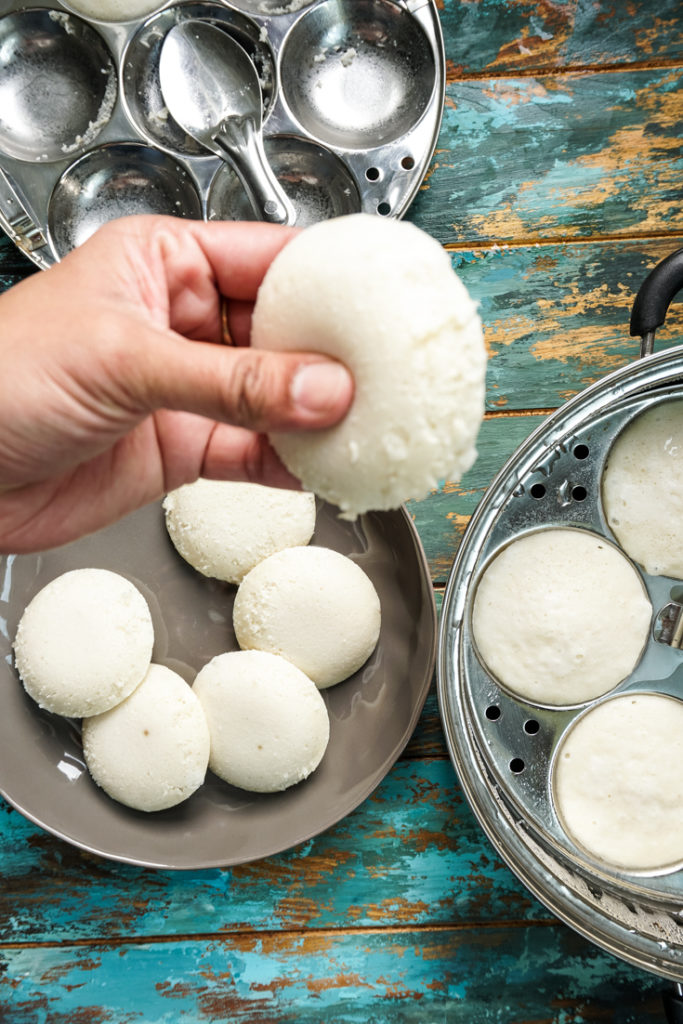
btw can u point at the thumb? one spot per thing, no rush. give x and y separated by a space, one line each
258 389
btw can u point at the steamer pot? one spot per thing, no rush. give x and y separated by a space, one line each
501 745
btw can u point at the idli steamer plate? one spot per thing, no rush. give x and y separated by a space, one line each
503 746
352 92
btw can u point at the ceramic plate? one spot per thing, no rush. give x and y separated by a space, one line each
372 714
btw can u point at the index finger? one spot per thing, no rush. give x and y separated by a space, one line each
239 252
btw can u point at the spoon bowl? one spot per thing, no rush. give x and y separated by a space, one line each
211 88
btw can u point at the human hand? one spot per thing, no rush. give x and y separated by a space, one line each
114 387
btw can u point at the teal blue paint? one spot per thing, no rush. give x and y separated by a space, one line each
469 978
517 145
455 872
559 34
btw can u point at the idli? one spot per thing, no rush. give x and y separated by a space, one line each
152 750
380 296
313 606
560 616
642 489
223 529
614 789
114 10
268 723
84 642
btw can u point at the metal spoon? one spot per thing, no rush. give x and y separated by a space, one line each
211 88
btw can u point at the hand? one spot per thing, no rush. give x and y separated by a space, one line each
114 387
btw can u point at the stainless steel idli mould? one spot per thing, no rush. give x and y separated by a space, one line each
352 94
503 746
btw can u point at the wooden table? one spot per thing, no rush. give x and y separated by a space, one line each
556 185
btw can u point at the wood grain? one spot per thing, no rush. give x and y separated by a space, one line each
486 36
556 187
534 975
422 861
556 317
556 158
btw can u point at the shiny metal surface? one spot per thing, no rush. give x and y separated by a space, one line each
143 99
506 767
57 85
211 88
355 133
113 181
317 183
356 73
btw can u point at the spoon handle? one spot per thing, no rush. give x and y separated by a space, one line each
242 145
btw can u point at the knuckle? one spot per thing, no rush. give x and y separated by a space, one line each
254 391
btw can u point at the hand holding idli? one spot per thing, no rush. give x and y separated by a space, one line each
115 388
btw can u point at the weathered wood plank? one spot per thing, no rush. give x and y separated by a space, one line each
529 975
507 35
560 157
412 854
442 518
556 317
427 740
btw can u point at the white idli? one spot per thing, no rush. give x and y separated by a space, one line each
560 616
616 786
642 489
381 296
313 606
223 529
152 750
114 10
84 642
268 723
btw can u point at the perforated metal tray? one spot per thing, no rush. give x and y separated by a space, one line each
352 95
503 746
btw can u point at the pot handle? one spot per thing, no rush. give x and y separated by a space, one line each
673 1004
654 298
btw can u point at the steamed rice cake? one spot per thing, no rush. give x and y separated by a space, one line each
151 751
268 722
560 616
84 642
614 788
315 607
642 489
381 296
223 529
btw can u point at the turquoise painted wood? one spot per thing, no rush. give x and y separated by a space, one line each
500 974
422 862
568 156
556 317
556 185
485 36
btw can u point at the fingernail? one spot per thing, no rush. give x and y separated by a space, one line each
319 387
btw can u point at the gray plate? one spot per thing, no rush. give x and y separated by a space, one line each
373 714
352 92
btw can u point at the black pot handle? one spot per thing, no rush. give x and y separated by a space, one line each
673 1005
654 298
